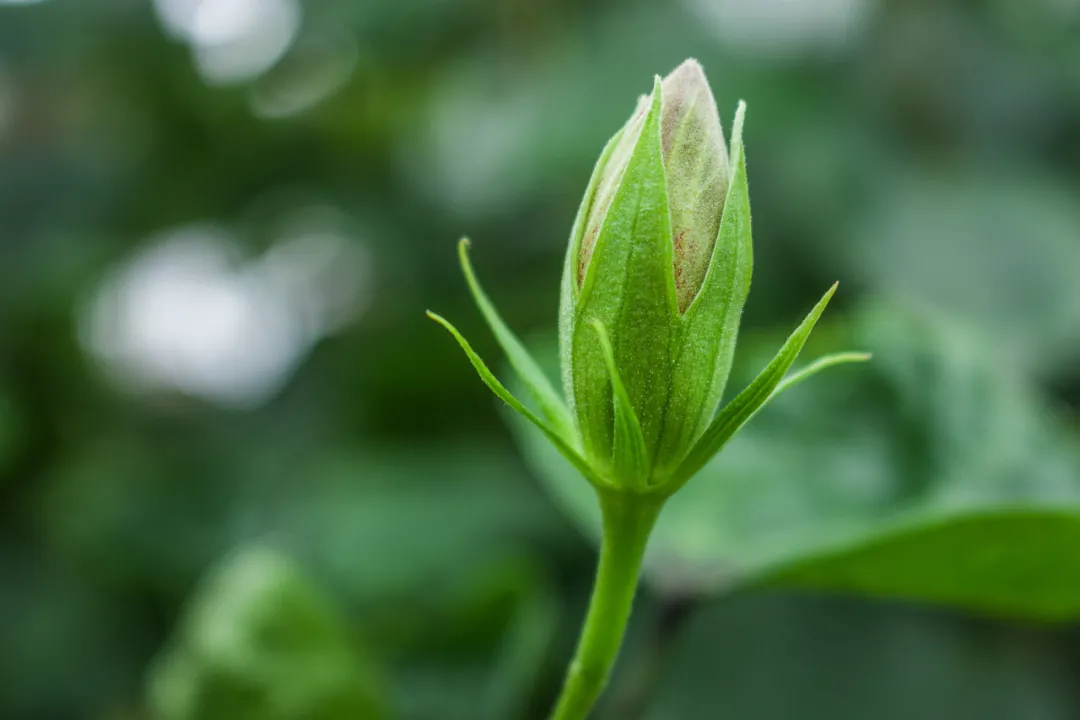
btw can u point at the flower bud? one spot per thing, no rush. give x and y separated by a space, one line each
650 263
653 287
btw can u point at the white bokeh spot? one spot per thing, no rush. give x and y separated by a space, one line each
784 28
186 314
232 41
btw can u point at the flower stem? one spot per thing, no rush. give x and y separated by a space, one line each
628 519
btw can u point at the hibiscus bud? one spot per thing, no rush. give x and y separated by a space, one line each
648 233
656 276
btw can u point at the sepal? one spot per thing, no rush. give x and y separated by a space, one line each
532 377
563 445
736 413
629 457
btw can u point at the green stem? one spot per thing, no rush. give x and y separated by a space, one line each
628 519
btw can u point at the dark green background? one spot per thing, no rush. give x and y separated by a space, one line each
926 154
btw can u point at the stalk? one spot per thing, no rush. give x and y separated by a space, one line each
628 518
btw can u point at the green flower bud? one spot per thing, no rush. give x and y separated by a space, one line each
656 276
640 260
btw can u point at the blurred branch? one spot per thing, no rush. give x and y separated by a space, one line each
632 695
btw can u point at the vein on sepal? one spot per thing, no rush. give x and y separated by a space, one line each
630 458
561 444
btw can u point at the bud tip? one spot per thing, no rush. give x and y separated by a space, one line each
737 124
689 66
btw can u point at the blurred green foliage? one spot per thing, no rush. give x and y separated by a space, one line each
308 182
259 642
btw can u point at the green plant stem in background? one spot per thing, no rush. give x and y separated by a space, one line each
628 518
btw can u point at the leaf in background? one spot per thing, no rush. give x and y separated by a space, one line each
994 246
462 608
1010 562
446 511
260 642
845 483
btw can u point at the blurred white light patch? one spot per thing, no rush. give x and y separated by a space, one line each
20 2
232 41
315 68
784 28
188 315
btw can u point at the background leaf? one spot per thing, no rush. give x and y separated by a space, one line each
260 642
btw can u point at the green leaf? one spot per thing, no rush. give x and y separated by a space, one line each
710 326
948 237
456 507
564 447
532 377
1000 561
736 413
630 458
259 642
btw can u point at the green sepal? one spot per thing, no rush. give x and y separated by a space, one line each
629 286
532 377
630 459
822 363
736 413
710 326
569 290
562 444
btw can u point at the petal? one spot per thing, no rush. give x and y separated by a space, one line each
696 163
